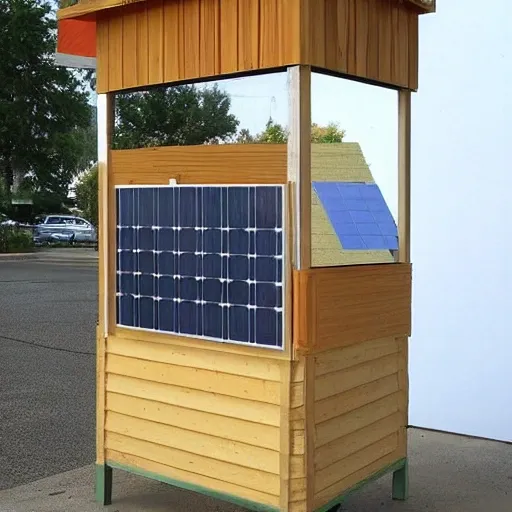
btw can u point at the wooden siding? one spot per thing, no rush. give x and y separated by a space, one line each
334 307
208 418
165 41
359 398
217 164
372 39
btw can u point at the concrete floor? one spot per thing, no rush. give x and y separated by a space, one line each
448 473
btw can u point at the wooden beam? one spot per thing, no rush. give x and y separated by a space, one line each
105 109
299 161
88 7
404 176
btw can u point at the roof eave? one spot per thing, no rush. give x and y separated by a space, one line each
90 8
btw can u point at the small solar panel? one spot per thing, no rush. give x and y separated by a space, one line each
202 261
359 215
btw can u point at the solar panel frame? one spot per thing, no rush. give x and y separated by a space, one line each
282 317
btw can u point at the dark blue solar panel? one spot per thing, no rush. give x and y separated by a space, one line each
202 261
359 215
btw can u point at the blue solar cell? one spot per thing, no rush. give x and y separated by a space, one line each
202 261
359 215
352 242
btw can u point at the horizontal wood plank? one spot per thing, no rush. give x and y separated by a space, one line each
351 304
194 442
336 383
262 413
216 425
192 357
345 424
193 463
355 398
194 378
354 354
327 477
342 447
207 164
178 476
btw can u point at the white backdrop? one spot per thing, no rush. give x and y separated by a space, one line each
461 348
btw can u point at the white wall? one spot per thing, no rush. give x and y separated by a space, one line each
461 348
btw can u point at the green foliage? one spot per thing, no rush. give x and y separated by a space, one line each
329 134
87 195
14 239
173 116
275 133
44 111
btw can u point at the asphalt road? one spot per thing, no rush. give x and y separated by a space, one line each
47 369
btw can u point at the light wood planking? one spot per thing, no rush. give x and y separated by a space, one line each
265 414
130 41
233 429
217 164
187 477
195 463
285 449
194 378
357 419
355 398
358 476
155 41
338 382
327 477
403 381
182 341
343 303
342 447
209 50
217 448
100 396
370 39
193 357
357 353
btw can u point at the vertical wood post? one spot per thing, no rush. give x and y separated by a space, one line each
105 110
299 161
404 176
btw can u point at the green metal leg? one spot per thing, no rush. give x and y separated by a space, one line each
103 484
401 483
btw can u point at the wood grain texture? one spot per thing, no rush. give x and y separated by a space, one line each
191 39
218 164
216 483
335 307
370 39
359 414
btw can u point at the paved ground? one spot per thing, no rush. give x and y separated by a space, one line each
447 474
47 322
47 369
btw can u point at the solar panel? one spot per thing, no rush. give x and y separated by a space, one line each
202 261
359 215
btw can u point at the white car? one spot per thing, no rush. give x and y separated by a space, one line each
5 221
65 228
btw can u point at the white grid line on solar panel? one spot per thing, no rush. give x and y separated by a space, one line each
198 278
199 302
157 227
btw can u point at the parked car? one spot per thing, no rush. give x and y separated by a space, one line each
5 221
63 228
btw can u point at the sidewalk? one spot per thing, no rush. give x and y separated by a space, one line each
448 473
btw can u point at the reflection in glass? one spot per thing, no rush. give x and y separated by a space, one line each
353 172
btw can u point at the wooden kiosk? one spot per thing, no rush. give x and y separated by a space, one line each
295 426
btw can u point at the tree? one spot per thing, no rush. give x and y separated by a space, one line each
86 192
173 116
43 108
275 133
